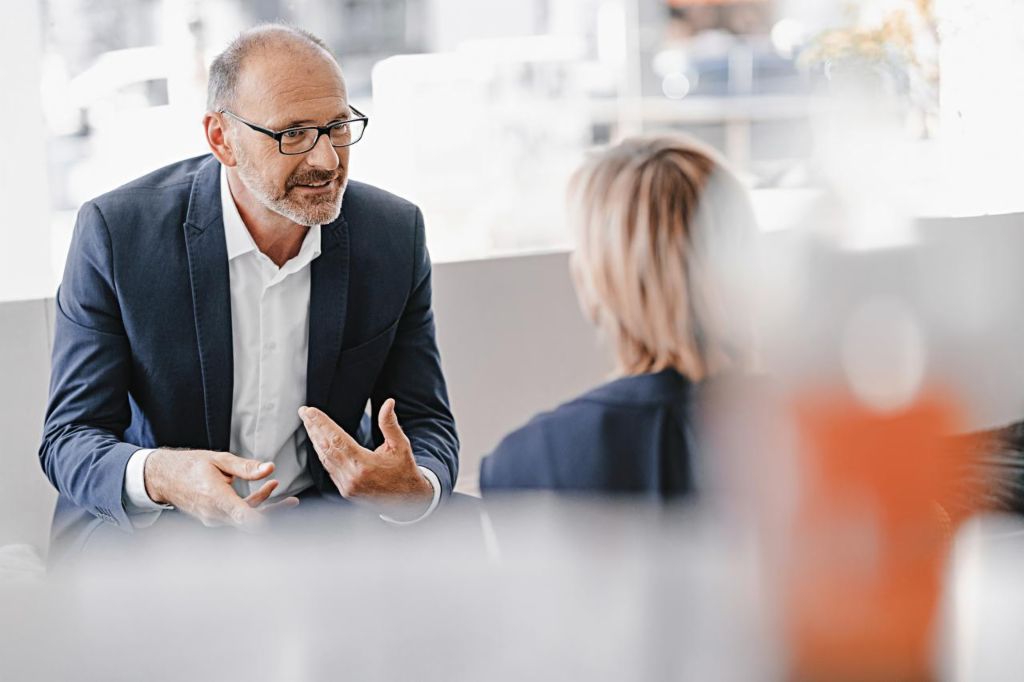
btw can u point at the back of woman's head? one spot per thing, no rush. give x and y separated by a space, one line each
659 221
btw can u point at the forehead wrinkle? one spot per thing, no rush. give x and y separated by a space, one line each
314 110
279 97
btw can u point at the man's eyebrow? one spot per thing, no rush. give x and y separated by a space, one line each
309 122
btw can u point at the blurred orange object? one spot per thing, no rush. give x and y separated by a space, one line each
880 496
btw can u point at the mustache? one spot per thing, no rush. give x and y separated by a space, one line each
312 176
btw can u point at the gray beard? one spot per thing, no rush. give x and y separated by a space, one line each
320 213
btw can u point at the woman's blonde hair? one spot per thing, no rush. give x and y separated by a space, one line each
657 221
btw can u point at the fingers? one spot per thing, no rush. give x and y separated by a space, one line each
262 495
389 427
280 505
235 511
248 469
256 499
330 441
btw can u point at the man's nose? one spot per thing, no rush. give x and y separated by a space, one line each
323 154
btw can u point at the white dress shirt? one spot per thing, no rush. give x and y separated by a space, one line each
270 344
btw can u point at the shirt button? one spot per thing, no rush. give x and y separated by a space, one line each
270 347
269 406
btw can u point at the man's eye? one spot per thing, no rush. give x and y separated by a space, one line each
292 134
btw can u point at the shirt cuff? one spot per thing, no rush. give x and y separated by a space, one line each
140 507
436 485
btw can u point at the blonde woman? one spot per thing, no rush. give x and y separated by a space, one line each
658 222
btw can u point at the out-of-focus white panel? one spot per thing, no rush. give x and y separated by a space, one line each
982 104
472 137
24 194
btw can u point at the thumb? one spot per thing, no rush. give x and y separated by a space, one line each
248 469
388 422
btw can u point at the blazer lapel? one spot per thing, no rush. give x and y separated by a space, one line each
211 300
328 297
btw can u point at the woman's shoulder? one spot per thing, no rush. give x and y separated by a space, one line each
625 395
638 390
589 423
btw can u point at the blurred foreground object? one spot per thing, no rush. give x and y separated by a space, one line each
881 497
854 510
536 588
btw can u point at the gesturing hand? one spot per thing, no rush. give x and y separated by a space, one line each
386 475
256 499
198 482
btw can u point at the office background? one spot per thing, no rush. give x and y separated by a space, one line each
502 99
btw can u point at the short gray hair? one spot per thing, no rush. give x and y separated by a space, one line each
227 66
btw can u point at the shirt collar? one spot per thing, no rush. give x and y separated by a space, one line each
240 242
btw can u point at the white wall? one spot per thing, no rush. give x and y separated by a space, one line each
27 500
513 342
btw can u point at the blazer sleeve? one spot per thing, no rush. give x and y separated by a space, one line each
82 452
412 376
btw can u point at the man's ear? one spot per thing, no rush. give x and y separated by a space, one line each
216 137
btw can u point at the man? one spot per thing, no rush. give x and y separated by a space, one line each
204 304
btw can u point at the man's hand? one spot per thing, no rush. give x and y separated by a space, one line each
198 482
387 475
257 498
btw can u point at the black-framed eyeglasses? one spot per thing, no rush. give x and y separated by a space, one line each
300 140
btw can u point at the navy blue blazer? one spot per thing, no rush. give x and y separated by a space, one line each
631 435
142 353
